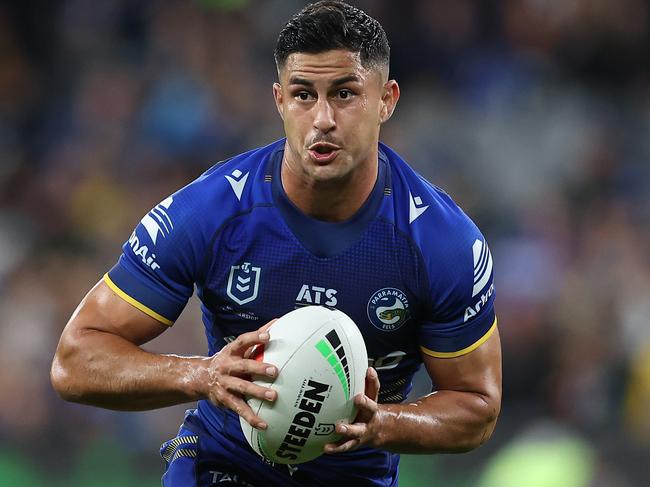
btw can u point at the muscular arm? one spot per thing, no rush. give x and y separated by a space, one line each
458 417
99 362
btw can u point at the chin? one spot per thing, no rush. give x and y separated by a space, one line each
329 172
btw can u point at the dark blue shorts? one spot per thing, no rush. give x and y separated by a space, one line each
199 456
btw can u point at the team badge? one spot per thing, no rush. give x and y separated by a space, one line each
388 309
243 283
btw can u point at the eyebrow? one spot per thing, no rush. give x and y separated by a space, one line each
296 80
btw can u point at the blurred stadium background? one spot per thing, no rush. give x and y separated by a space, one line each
533 114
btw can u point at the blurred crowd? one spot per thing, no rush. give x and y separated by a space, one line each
533 114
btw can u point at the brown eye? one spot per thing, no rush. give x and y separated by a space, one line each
345 94
303 95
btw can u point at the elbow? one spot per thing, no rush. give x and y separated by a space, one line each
61 381
62 374
479 431
490 410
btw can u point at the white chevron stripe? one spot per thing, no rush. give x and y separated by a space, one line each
485 277
480 269
481 261
162 222
161 210
152 227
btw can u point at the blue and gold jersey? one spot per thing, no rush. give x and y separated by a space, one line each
410 268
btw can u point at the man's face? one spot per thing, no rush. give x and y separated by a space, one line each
332 107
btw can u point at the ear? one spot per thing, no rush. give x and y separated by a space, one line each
277 96
389 100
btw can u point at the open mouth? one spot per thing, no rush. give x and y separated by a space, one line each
323 152
321 149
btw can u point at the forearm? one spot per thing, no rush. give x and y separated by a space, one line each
105 370
442 422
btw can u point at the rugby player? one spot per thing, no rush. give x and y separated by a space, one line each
328 216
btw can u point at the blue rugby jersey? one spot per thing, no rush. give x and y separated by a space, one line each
410 268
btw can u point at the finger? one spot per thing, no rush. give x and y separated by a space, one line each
372 384
254 351
364 403
268 325
245 341
245 388
244 367
366 408
351 431
242 409
332 448
259 347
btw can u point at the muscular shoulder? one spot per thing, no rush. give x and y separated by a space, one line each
433 220
226 189
166 253
453 250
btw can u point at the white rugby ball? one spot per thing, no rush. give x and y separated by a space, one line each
322 360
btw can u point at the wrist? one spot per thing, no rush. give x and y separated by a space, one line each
379 427
193 377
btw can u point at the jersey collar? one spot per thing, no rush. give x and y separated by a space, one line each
326 239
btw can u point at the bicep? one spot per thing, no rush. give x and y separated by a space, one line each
478 371
102 310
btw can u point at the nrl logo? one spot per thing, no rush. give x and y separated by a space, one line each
243 283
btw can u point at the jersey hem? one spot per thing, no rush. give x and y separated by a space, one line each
135 303
465 350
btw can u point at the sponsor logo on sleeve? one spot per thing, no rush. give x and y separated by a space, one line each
482 275
157 223
482 265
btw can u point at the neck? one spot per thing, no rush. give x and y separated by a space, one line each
333 200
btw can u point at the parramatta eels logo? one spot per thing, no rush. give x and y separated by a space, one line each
388 309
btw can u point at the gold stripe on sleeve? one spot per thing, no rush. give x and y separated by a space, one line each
465 350
135 303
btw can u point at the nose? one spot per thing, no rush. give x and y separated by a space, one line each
324 116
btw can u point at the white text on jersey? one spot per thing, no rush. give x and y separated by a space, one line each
314 295
473 311
142 251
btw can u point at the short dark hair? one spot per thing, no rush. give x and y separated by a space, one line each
332 24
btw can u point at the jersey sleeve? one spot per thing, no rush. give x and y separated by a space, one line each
160 261
461 292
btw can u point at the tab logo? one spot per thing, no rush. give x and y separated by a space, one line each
316 295
243 283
